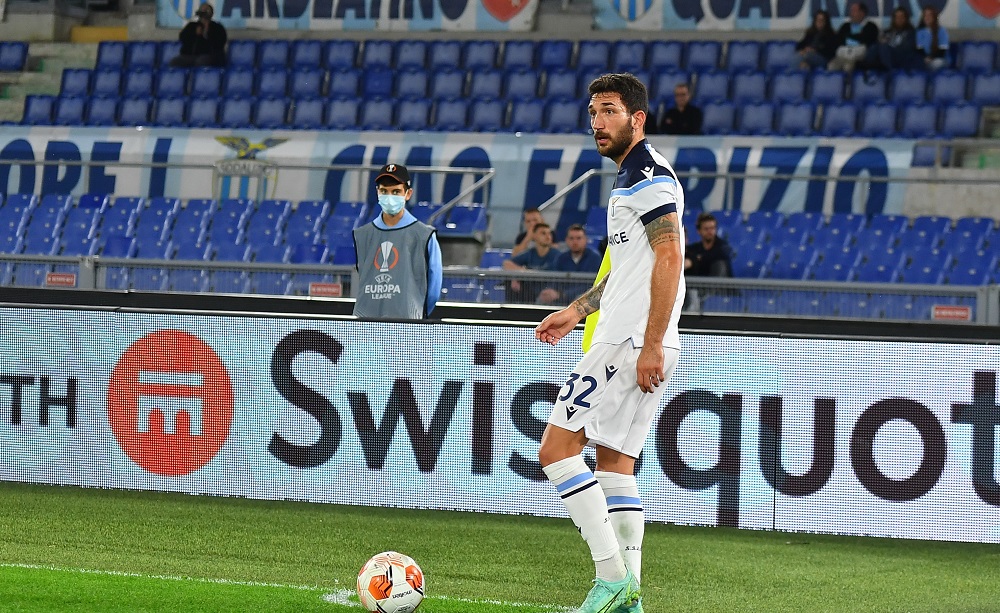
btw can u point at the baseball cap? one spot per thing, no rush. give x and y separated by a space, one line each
397 172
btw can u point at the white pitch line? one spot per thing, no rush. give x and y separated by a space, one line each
341 597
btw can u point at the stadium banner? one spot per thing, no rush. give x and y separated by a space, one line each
364 15
530 167
775 15
881 438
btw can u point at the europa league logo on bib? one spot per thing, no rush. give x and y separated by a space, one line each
387 257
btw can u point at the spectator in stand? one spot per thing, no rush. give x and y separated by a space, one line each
531 218
578 257
683 117
540 257
897 49
854 38
711 256
932 40
203 42
818 44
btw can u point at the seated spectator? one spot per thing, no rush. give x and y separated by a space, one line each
683 117
540 257
818 44
932 40
897 48
203 42
531 217
854 38
711 256
578 257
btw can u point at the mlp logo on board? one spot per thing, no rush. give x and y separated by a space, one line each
170 402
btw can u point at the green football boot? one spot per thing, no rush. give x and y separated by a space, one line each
610 596
635 607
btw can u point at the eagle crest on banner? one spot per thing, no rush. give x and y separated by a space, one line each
245 150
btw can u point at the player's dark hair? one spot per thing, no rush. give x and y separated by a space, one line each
702 218
631 90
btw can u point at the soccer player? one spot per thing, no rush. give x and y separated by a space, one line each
611 397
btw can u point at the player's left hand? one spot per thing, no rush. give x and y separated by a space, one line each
649 368
557 325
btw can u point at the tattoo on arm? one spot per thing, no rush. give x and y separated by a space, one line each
590 301
663 230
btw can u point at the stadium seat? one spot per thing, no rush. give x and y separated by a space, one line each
273 54
494 258
142 55
518 54
703 55
101 111
271 83
882 269
792 263
718 118
984 89
13 55
712 87
238 82
340 54
413 114
376 114
664 83
788 86
665 55
923 273
69 110
628 56
889 224
827 87
242 53
377 82
447 84
75 82
118 247
138 83
344 255
445 55
451 115
107 83
796 119
959 120
485 83
306 54
878 119
743 56
409 54
977 56
344 83
918 121
171 82
947 87
308 254
206 82
749 87
464 220
834 264
520 84
167 51
411 83
423 210
342 113
561 84
753 263
480 54
554 55
526 115
868 87
110 55
376 54
306 82
307 113
487 115
779 56
756 119
170 112
908 87
562 116
203 112
38 110
838 120
270 113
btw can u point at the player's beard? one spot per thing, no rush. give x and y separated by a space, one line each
618 143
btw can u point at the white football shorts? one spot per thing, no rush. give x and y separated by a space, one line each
602 396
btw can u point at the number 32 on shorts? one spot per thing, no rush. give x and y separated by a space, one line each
582 387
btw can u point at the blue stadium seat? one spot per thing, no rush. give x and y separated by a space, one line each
878 119
235 112
867 87
518 54
712 87
13 55
206 81
703 55
665 55
110 55
463 220
411 83
749 87
918 121
789 86
445 55
273 54
839 120
561 83
168 50
461 290
377 82
307 113
344 83
984 89
376 54
718 118
306 82
772 220
142 55
562 116
118 247
969 275
271 83
664 82
170 112
796 119
911 241
203 113
977 56
487 115
628 56
153 250
959 120
933 224
585 77
238 82
376 114
925 272
978 225
106 83
890 224
410 54
75 82
118 218
423 210
910 87
554 55
835 264
779 55
413 114
451 115
793 263
342 113
138 83
68 110
340 54
306 54
827 87
38 110
447 83
753 263
344 255
521 83
743 56
181 280
308 254
485 83
880 267
242 53
947 87
526 115
479 54
171 82
270 113
756 119
101 111
494 258
190 222
229 281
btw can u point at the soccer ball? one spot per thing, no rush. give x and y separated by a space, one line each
391 582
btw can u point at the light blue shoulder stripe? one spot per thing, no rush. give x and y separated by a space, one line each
629 191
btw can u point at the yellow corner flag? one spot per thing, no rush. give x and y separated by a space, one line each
591 323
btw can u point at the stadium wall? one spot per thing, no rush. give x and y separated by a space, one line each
779 428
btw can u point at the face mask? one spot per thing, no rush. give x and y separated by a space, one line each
391 203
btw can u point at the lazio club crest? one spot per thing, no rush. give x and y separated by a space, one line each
630 10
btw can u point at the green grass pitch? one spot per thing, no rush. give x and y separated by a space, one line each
74 549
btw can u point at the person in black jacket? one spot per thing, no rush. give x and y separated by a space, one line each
683 117
818 44
897 50
203 42
854 38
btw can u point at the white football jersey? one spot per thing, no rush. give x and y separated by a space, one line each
645 190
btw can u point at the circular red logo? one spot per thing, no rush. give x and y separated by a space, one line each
170 402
